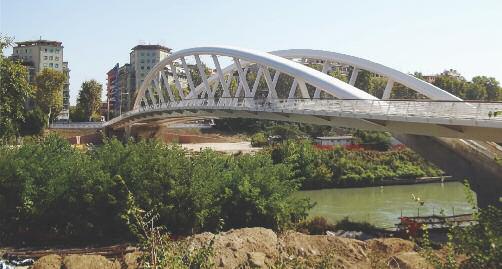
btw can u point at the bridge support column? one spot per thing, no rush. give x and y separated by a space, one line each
461 160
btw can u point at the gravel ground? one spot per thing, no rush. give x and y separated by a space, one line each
244 147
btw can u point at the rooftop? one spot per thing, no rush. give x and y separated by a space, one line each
151 47
38 42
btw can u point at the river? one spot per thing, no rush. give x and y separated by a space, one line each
382 206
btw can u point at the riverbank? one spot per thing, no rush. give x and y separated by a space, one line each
401 181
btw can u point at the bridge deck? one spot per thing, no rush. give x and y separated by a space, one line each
435 112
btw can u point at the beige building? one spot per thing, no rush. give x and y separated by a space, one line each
143 58
39 54
123 81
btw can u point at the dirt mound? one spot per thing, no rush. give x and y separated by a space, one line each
75 262
408 260
390 245
346 251
262 248
243 247
89 262
52 261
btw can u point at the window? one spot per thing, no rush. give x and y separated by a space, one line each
26 50
142 54
45 57
57 50
45 65
142 75
56 65
50 58
56 58
50 65
51 50
148 67
45 49
142 67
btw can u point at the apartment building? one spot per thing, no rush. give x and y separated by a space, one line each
39 54
145 57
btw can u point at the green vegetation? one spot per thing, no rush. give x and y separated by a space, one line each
49 92
51 192
374 140
317 169
259 140
319 226
15 91
88 102
160 251
27 108
481 243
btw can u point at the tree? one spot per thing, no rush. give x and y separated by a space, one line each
34 122
49 92
15 91
374 139
76 114
452 84
474 91
89 99
491 87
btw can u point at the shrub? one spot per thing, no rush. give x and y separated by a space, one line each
259 140
51 192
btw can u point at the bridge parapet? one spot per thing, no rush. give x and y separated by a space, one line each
476 114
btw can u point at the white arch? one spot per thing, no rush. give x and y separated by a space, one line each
313 77
409 81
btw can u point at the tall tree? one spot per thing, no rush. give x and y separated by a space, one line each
89 99
491 86
14 93
49 92
452 84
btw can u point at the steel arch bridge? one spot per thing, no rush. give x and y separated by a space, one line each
247 88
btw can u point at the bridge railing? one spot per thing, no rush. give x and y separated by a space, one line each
344 107
77 125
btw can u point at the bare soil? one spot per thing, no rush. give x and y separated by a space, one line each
263 248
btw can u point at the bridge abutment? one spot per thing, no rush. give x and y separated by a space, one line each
462 159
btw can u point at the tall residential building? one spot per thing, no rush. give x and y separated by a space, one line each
113 91
123 81
39 54
143 58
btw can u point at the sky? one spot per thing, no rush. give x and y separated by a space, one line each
427 36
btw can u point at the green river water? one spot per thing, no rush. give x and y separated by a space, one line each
382 206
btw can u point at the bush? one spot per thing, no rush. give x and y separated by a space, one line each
317 226
316 169
374 140
34 123
481 242
259 140
51 192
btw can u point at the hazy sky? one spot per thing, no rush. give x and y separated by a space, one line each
426 36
